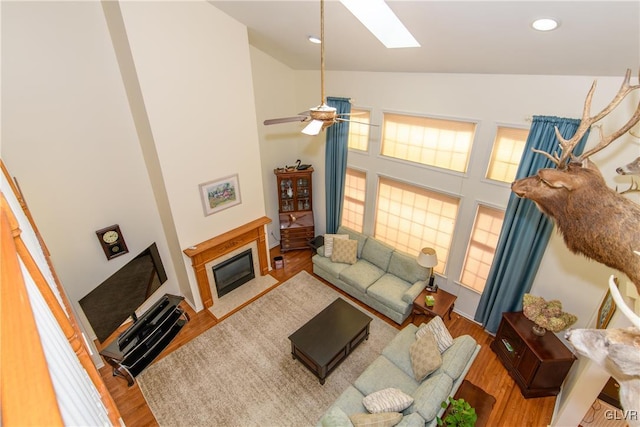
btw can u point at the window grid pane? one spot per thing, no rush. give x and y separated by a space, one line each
434 142
482 247
359 132
353 203
507 152
410 218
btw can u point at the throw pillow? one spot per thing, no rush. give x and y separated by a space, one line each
387 400
439 330
328 242
336 417
345 250
382 419
425 356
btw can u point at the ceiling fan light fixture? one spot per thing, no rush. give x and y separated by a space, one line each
545 24
378 17
323 115
323 112
313 128
314 39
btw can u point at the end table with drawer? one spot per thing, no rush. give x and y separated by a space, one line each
444 303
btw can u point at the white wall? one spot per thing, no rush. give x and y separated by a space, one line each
69 134
68 137
194 69
282 144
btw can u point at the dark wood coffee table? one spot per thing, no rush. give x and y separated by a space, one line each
443 306
327 339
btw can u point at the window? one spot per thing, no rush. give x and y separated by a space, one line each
353 203
482 247
410 218
359 132
434 142
506 154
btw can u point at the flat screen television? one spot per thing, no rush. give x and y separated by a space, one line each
119 296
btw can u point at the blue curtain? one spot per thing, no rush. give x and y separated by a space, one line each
336 150
525 230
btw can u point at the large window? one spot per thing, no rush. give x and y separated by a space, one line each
359 129
410 218
506 154
354 198
482 247
442 143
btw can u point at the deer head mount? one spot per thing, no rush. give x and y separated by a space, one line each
598 222
616 350
632 168
593 219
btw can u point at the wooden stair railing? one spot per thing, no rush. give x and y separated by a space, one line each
28 397
64 316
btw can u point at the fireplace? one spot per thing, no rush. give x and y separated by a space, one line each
233 273
223 244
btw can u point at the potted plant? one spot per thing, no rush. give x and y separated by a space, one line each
459 413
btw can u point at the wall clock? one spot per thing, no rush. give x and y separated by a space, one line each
112 241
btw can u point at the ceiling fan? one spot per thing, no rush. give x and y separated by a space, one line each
322 116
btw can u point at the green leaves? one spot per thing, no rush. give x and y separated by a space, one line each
458 414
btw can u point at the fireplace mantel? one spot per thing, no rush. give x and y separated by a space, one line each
207 251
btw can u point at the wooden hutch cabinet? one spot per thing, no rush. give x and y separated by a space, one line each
295 201
538 365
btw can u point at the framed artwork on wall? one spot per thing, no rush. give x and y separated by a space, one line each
220 194
606 310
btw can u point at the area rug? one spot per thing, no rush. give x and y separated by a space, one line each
241 372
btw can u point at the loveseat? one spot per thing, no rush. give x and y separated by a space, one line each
395 372
385 279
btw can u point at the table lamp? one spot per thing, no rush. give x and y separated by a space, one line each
428 258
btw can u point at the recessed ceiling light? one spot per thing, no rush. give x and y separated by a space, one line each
378 17
545 24
314 39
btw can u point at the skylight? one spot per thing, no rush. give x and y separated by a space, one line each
378 17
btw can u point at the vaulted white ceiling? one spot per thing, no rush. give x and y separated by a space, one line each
598 38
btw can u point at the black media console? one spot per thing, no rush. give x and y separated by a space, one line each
143 341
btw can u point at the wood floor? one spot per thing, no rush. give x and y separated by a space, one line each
511 409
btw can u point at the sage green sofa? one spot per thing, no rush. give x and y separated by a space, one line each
385 279
393 369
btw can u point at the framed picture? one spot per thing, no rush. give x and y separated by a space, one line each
220 194
606 310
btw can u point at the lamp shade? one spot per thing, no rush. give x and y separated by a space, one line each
427 257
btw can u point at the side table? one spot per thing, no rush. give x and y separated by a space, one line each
444 304
479 400
537 364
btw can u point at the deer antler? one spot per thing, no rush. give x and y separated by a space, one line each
567 145
633 188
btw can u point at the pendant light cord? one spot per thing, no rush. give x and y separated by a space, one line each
322 101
